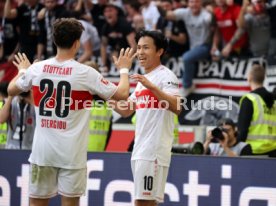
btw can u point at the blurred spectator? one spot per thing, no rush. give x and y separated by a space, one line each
257 25
90 42
117 33
8 36
150 14
132 9
175 32
227 31
133 14
179 4
272 14
257 117
199 24
81 8
222 141
27 22
138 23
3 126
47 16
19 113
97 13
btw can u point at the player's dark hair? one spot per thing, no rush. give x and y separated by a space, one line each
158 37
66 31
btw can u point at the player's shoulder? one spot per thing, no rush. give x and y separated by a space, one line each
166 72
36 65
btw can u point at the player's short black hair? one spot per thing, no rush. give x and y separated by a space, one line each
66 31
158 37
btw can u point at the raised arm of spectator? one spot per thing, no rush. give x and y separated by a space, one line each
104 42
181 38
216 41
78 6
166 14
241 19
169 15
229 46
87 51
40 51
9 12
131 40
5 111
237 35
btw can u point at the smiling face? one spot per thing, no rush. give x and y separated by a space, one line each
147 54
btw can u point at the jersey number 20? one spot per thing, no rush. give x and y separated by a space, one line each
58 97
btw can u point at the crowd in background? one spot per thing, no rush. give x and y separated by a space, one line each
216 29
195 29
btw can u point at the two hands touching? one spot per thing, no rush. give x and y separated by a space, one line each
125 59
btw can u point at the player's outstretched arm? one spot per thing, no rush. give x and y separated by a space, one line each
123 107
123 63
22 63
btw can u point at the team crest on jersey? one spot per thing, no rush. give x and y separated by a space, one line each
104 81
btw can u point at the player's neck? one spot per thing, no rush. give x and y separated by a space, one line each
152 67
65 54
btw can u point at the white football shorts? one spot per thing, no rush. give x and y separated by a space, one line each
46 182
149 180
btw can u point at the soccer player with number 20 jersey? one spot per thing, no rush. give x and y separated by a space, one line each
63 90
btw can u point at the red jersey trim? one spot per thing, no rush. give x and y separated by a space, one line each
79 99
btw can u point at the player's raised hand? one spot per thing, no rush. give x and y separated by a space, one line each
143 80
125 58
21 61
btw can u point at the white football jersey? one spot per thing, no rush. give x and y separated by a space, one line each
154 123
63 93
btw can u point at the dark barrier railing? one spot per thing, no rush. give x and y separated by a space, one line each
192 181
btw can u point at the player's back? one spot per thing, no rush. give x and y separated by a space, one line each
62 98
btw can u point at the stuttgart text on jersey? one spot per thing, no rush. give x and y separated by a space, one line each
57 70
